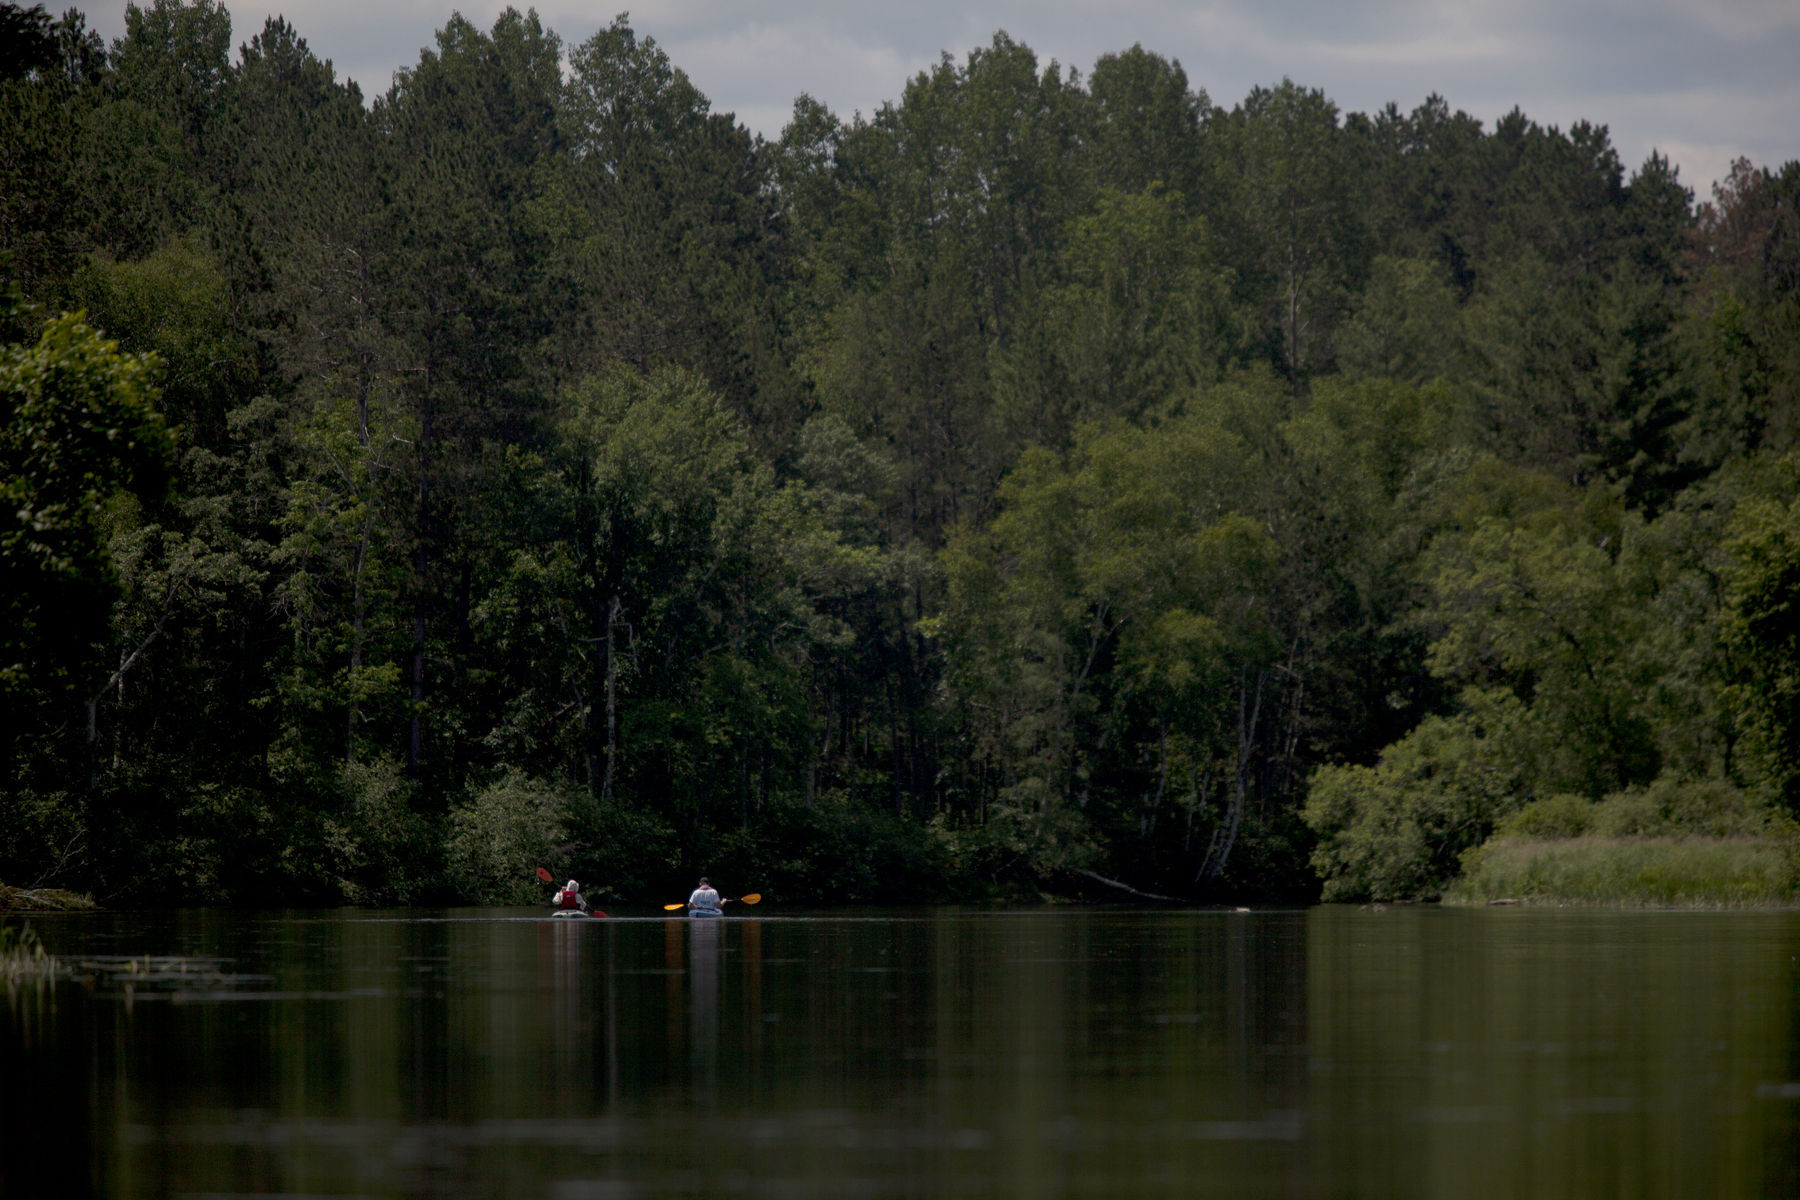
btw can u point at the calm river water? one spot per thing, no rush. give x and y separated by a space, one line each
1411 1052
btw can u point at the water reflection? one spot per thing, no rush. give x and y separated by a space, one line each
703 1009
1332 1053
572 959
1570 1054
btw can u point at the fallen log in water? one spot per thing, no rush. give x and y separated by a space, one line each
14 899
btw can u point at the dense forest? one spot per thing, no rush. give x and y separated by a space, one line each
1051 484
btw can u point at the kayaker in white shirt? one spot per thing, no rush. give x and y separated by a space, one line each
704 896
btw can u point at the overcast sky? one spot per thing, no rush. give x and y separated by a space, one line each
1703 81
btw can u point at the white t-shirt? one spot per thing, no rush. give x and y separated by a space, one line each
704 897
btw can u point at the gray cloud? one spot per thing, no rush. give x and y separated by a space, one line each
1702 82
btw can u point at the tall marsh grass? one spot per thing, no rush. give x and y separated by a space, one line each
1649 872
22 955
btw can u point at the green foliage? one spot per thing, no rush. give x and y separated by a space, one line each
502 833
627 852
1668 807
1760 628
1535 599
77 427
173 304
1677 841
950 210
1742 342
209 842
838 851
174 57
1634 872
1141 318
662 586
30 46
43 833
1294 195
47 69
1597 627
1677 562
382 851
1119 594
1561 816
1397 830
1147 123
153 136
664 232
1673 807
1398 330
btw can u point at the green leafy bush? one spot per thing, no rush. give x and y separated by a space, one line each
1669 807
1682 807
384 851
1398 829
1562 816
501 834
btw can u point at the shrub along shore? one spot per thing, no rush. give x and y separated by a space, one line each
1702 846
1688 872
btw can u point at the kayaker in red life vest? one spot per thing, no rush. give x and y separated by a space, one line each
569 897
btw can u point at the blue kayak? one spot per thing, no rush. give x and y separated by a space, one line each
705 912
567 912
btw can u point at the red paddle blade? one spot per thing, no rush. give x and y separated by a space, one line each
546 876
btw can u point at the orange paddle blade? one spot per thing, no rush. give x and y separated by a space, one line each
752 898
673 907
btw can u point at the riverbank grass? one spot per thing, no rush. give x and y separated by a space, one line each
1648 872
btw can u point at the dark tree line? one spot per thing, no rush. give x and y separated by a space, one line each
1050 482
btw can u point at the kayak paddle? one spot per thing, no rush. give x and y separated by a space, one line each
752 898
